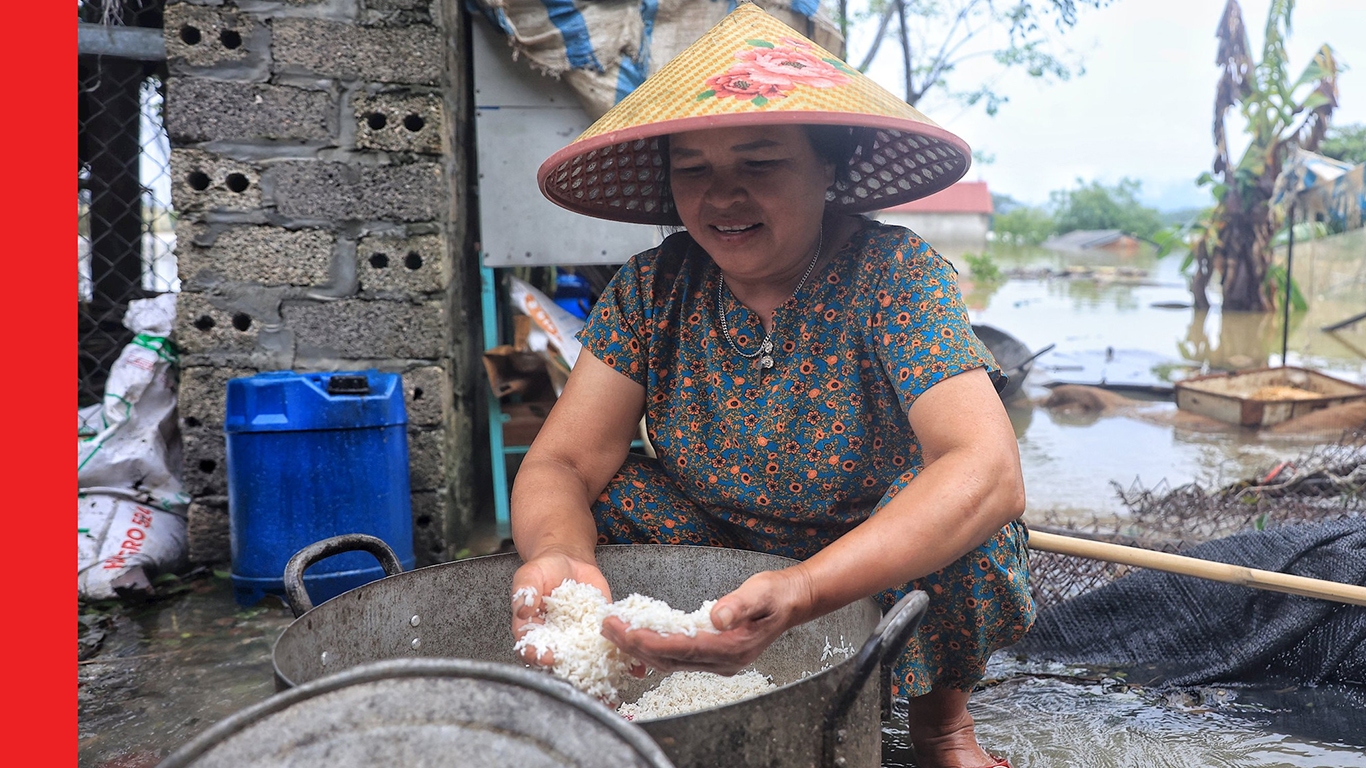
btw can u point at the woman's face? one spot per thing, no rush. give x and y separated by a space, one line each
752 197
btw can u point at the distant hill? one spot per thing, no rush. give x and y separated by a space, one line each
1005 203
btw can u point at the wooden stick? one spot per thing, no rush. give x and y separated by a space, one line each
1203 569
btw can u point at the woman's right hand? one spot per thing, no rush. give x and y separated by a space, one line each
541 575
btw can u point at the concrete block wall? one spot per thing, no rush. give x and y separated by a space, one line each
318 169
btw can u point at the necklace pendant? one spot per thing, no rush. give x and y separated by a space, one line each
766 361
767 347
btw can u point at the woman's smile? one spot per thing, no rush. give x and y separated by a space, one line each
752 197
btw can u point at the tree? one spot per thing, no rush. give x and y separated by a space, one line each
1022 225
1096 206
1235 240
1346 143
936 36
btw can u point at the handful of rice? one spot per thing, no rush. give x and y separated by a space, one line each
572 631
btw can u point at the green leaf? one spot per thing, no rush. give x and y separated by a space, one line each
1188 262
217 574
1219 190
1313 101
841 66
1275 275
1204 179
705 95
760 101
760 43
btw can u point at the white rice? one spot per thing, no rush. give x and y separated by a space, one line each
684 692
641 612
830 651
573 633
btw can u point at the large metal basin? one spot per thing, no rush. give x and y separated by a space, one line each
826 712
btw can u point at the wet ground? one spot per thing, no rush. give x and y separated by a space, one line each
160 673
167 671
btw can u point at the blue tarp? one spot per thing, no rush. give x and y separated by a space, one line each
1322 186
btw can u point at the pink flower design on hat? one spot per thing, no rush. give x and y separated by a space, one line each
789 65
741 84
765 72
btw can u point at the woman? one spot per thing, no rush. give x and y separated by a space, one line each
810 380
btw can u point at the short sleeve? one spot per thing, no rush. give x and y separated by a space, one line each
615 332
920 325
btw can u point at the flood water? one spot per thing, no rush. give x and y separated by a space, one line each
1106 329
1051 716
168 671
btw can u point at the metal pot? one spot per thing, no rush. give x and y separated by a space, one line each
425 712
823 714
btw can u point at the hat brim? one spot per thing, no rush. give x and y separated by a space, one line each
623 176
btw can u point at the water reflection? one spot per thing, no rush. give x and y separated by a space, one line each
1242 340
1113 320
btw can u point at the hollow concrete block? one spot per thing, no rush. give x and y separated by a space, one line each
254 254
426 458
198 109
204 37
203 394
404 264
399 122
360 329
426 391
342 192
208 531
411 54
204 181
205 461
203 327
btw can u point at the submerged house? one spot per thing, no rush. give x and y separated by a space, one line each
959 216
1093 239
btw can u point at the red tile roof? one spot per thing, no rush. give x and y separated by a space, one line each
963 197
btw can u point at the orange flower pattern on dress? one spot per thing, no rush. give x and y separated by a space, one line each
787 460
765 72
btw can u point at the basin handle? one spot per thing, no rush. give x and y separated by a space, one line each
296 594
879 653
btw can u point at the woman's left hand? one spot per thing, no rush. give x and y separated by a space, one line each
750 618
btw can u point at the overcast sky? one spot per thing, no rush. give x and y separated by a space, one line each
1143 108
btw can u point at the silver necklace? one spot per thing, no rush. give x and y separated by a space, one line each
765 351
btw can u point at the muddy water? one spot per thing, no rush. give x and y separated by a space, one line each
1050 716
1116 325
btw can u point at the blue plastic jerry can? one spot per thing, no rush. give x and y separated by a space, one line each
311 456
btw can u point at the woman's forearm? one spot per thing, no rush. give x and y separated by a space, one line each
551 511
581 445
950 508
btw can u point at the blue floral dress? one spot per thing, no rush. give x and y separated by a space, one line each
788 459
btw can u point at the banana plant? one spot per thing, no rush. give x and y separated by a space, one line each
1236 240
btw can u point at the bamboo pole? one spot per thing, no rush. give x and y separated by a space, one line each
1203 569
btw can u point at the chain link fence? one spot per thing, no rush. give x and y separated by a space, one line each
125 224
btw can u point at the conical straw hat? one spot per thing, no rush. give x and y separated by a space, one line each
751 69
